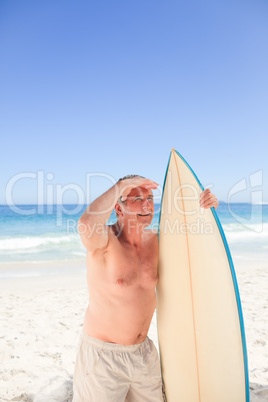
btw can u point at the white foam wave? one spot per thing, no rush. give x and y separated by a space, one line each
33 242
236 232
241 227
81 254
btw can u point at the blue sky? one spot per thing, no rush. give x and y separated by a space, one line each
109 87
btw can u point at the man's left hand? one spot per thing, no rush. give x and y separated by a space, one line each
208 200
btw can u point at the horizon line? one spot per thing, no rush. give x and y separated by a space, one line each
156 203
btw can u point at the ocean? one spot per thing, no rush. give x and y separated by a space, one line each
32 237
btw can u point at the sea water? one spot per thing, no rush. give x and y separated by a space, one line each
38 235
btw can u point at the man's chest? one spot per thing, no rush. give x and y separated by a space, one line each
128 267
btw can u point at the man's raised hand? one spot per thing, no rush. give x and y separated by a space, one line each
129 184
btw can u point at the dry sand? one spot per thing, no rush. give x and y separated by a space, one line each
41 320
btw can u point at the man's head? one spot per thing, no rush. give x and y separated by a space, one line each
138 205
129 176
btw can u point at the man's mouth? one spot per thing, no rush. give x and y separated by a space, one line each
145 214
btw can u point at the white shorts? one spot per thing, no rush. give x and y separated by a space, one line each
109 372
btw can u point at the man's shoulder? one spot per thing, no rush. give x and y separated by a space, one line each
150 233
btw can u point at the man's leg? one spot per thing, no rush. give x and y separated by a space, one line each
147 385
96 377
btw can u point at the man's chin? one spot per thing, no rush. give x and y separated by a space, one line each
146 219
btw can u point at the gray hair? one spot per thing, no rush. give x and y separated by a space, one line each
129 176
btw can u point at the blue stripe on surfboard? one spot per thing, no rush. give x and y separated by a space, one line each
239 306
159 217
164 183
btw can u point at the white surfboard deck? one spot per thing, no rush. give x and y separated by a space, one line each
199 317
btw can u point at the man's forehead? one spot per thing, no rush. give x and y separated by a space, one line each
140 191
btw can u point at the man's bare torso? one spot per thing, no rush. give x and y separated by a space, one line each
121 281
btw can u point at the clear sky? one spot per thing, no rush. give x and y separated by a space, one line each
110 86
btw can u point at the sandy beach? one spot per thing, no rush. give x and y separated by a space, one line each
41 320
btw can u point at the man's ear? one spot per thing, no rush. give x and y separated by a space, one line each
118 209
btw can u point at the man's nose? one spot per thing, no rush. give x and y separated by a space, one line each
146 203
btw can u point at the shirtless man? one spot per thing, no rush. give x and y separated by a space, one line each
116 361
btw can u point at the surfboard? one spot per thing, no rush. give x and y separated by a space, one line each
200 325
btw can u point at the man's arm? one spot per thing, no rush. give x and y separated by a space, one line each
91 225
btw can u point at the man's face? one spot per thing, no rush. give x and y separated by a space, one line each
140 205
